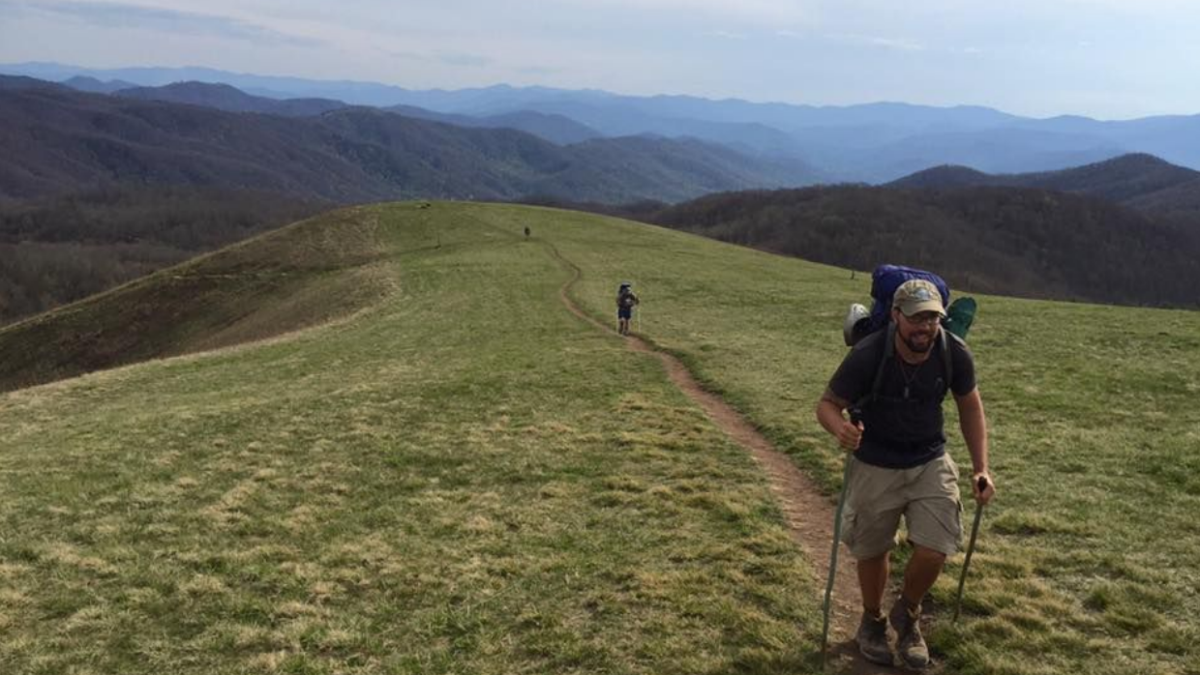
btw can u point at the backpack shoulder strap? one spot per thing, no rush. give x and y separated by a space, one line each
948 340
889 351
947 358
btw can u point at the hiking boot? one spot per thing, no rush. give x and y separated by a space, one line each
872 639
910 645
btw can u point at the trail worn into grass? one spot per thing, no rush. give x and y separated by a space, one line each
808 512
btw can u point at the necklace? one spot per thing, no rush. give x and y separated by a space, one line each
908 379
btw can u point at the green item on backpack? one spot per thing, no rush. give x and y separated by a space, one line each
959 317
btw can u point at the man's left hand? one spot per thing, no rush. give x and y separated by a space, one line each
982 498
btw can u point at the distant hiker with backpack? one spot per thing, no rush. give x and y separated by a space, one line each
626 301
893 383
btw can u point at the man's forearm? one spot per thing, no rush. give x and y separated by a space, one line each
974 430
975 435
829 411
829 415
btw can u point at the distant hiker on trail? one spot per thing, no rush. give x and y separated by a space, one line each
626 301
899 466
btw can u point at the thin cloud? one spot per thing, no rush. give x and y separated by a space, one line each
460 60
121 15
760 12
723 35
897 44
407 56
465 60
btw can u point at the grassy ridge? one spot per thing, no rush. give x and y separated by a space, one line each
1087 561
468 479
298 276
464 479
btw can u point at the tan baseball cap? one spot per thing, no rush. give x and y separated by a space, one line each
918 295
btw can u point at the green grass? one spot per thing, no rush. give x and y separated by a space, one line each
465 478
1088 558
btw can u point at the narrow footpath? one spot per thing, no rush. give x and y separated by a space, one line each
809 514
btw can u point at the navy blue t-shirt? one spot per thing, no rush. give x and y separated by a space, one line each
903 427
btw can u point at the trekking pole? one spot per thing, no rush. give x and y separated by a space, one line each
983 484
855 418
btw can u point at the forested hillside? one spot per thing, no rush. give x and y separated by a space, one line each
1140 181
1012 241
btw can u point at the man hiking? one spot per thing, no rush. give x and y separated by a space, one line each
899 465
626 301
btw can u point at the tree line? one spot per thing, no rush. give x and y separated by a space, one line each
60 249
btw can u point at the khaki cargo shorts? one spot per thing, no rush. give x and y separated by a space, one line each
927 496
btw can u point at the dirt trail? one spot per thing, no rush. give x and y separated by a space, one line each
809 514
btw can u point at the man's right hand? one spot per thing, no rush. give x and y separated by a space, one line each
849 435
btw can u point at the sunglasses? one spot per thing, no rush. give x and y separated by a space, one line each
923 319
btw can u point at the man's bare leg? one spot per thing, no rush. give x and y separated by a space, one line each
872 581
923 569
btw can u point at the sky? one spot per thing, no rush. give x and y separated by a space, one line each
1107 59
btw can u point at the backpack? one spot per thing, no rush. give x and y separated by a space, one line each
884 282
860 323
625 297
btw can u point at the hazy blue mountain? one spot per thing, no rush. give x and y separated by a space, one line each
795 118
611 117
1175 138
554 128
20 82
875 142
54 140
754 127
356 93
230 99
94 86
1004 150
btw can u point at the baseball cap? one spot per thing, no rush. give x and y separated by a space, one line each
918 295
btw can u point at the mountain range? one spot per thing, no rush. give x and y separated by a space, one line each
56 139
110 150
874 143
